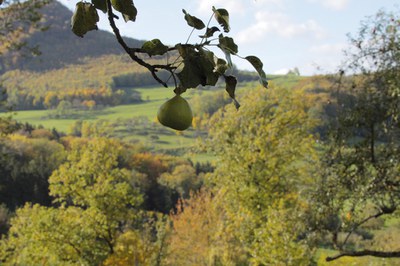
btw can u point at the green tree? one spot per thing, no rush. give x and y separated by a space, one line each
64 108
145 246
360 182
91 178
183 179
266 159
25 166
97 202
159 196
53 236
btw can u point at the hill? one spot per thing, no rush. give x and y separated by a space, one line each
59 46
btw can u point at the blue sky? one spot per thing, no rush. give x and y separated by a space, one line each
308 34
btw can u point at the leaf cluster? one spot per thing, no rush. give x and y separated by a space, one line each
193 64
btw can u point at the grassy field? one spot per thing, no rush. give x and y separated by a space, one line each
150 133
152 98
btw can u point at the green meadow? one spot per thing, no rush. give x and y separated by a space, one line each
152 98
151 134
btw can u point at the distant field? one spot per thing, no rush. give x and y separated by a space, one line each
152 98
149 135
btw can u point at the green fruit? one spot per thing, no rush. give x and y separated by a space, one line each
175 113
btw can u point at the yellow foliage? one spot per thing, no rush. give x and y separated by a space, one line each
131 248
41 133
200 236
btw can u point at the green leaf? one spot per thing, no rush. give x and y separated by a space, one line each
227 44
209 32
84 19
222 17
207 61
258 65
100 4
198 67
127 9
221 66
230 82
154 47
185 50
190 76
192 21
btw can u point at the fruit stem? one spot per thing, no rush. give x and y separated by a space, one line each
179 90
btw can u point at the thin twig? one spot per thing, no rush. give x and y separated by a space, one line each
132 51
355 226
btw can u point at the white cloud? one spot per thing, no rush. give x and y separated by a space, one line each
238 6
326 57
269 2
233 6
282 71
332 4
279 24
328 49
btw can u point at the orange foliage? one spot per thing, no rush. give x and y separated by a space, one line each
41 133
200 233
151 164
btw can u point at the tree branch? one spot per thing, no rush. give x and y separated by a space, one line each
132 51
379 254
384 210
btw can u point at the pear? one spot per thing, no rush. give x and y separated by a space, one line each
175 113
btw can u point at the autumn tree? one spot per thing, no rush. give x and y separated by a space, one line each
266 162
97 203
200 233
163 179
360 183
182 179
145 246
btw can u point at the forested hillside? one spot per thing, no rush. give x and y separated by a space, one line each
58 46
